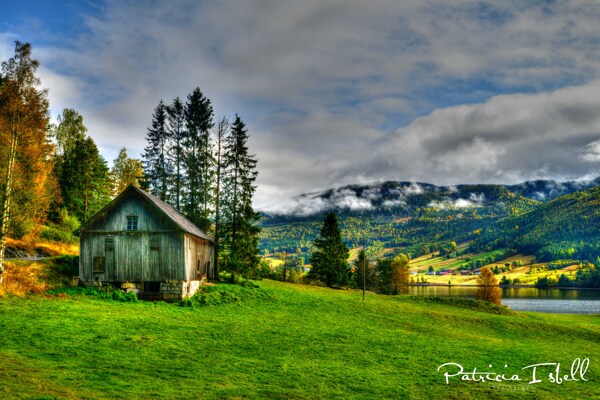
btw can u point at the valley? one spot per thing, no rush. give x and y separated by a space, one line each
529 232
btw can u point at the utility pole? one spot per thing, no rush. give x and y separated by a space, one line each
285 267
364 268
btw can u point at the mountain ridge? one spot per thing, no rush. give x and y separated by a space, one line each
409 195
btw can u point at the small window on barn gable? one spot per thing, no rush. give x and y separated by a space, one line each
132 222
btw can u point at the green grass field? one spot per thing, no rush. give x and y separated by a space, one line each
302 343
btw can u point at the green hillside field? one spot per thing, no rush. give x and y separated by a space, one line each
284 341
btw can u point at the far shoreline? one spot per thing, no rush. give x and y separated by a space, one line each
501 286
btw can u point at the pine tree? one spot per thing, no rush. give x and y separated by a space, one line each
178 136
239 229
362 266
23 146
199 160
157 166
330 257
85 180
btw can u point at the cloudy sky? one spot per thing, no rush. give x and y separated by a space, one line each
337 91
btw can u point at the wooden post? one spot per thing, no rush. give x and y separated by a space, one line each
285 267
364 268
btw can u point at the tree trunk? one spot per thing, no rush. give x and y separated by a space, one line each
220 132
6 198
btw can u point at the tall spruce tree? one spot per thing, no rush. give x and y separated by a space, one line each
157 166
239 230
330 257
199 160
178 135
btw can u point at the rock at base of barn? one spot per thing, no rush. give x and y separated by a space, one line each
158 291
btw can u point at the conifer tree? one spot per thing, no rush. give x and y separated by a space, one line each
199 160
239 230
85 180
178 136
157 166
363 273
330 257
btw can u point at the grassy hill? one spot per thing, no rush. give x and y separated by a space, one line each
293 341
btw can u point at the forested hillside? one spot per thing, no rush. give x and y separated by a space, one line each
417 218
567 227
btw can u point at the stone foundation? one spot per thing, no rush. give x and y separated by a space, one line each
170 290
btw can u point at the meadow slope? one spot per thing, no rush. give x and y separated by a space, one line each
303 342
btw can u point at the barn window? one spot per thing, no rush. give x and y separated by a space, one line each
109 243
132 222
154 243
99 264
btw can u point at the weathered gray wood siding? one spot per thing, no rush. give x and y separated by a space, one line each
199 258
155 252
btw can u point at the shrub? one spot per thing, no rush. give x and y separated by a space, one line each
226 294
53 233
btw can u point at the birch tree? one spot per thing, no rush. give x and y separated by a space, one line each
221 132
23 123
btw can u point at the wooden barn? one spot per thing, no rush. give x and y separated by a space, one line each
140 243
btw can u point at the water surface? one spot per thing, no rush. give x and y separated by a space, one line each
572 301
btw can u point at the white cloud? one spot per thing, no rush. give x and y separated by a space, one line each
323 86
591 152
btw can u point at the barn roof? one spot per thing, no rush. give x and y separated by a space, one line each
174 215
167 210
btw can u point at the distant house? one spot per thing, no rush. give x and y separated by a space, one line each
140 243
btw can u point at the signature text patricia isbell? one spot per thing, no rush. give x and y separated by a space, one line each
536 373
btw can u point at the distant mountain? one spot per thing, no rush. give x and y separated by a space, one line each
407 196
544 190
412 216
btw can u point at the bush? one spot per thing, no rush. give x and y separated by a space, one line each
105 292
66 265
53 233
226 294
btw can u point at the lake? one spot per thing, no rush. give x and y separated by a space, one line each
571 301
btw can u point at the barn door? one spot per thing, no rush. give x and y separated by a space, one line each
109 253
155 270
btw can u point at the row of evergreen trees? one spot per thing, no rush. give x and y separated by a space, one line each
206 171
